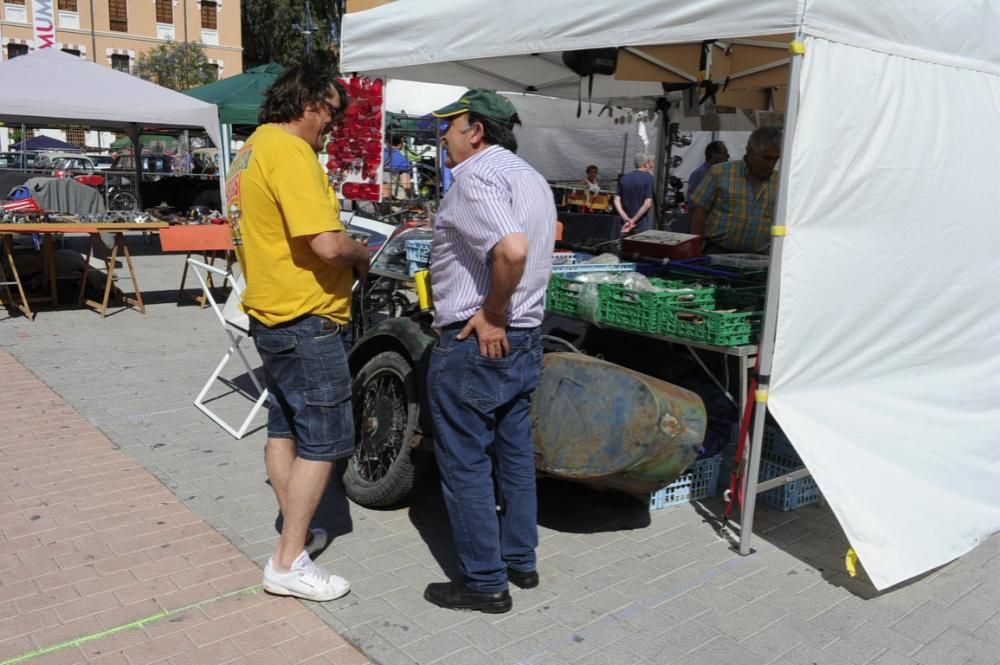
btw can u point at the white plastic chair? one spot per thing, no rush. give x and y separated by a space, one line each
236 323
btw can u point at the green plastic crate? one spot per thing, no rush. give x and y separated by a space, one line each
749 298
643 310
563 295
712 327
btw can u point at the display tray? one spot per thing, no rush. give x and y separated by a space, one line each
663 245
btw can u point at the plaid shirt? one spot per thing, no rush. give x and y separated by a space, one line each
737 220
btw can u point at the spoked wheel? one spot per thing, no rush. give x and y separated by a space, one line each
123 201
382 471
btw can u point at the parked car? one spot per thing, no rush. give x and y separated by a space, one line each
101 162
17 160
76 163
150 163
45 160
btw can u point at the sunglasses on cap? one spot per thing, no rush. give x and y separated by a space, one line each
445 125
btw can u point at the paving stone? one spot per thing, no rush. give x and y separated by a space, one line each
613 586
867 641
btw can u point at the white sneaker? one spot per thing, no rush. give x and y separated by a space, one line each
319 540
305 580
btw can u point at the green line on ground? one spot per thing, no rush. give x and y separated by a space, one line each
139 623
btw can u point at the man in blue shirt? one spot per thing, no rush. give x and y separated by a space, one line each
716 152
396 168
634 201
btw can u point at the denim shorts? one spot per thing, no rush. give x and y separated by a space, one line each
306 372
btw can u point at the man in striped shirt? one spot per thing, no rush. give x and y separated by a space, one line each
490 264
733 206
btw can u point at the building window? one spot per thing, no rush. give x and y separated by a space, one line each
164 11
77 137
14 50
67 5
14 2
120 63
118 11
72 51
209 18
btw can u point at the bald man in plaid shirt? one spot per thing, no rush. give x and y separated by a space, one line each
733 206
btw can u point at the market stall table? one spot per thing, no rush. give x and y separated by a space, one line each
212 241
48 229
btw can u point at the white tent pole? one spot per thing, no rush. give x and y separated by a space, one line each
662 169
766 348
135 134
226 130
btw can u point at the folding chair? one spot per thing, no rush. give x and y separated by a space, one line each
236 323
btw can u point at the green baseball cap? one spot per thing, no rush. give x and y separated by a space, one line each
486 103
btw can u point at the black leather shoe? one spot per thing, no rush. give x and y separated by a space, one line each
457 596
524 580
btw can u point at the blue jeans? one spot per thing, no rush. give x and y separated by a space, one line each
306 374
480 409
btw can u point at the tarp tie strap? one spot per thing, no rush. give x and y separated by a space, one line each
797 47
779 231
736 475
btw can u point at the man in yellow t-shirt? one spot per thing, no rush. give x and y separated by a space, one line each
299 265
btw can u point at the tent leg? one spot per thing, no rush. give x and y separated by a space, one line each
766 350
226 132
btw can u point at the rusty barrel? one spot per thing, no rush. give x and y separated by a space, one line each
609 426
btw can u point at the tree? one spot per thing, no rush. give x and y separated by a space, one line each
273 30
175 65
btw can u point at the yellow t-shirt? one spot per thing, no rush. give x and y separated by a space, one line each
283 197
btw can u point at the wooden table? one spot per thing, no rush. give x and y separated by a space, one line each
47 230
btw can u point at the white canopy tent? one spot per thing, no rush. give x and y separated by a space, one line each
49 87
882 351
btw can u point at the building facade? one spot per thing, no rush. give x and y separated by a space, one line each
114 33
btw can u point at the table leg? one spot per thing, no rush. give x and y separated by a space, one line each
8 253
49 268
86 269
110 262
119 239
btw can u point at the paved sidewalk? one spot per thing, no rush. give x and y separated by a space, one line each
100 563
620 585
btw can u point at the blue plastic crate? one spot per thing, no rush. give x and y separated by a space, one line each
778 457
578 265
698 482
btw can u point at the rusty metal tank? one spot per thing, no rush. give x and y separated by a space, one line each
609 426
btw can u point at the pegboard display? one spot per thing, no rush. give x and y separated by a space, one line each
354 151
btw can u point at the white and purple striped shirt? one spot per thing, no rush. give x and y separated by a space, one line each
495 193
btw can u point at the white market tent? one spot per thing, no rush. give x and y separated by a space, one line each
49 87
883 327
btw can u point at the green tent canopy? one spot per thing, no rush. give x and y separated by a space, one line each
239 97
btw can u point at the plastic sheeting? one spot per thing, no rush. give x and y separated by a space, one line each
886 372
413 33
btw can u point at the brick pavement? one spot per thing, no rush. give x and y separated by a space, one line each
100 563
620 585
